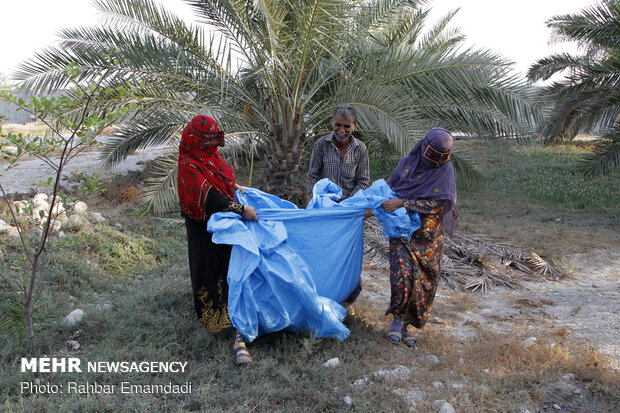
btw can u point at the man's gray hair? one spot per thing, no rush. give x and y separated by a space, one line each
345 110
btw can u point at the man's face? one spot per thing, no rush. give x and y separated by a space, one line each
343 127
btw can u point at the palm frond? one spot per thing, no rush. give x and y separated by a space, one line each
161 195
150 131
470 262
12 317
605 158
441 36
593 26
587 98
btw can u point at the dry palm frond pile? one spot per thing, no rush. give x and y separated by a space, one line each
470 262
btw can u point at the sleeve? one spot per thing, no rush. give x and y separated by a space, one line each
362 173
316 166
217 202
424 206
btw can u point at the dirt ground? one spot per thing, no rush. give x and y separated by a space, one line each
587 304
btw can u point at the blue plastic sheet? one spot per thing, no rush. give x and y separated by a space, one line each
292 267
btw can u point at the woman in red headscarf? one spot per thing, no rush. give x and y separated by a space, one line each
424 182
207 185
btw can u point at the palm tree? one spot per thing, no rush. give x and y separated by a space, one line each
271 71
589 95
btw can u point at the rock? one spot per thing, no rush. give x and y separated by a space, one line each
39 213
41 204
529 342
437 384
556 407
75 317
443 406
437 404
398 373
412 396
62 217
74 219
568 377
461 361
335 362
59 208
457 386
40 198
431 359
8 229
98 217
80 207
4 226
524 409
577 391
56 226
447 408
465 397
347 400
361 382
73 345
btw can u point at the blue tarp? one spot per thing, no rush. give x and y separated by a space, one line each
291 268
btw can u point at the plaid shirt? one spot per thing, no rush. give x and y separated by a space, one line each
351 174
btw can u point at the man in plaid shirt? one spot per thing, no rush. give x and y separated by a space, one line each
343 159
339 156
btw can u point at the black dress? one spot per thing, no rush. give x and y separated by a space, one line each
208 265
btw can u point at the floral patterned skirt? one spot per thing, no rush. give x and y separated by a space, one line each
415 265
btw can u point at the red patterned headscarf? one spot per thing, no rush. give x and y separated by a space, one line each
201 167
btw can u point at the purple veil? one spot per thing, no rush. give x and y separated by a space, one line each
426 173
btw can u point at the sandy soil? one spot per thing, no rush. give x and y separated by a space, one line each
24 177
587 304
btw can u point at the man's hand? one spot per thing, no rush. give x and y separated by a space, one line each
392 205
368 213
249 213
239 187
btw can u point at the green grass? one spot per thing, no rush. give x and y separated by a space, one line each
532 197
544 176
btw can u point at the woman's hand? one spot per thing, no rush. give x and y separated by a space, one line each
368 213
249 213
392 205
239 187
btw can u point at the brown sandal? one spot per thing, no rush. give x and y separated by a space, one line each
242 355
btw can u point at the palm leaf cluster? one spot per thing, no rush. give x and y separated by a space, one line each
271 72
588 96
470 262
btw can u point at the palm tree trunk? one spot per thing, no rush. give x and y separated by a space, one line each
285 175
